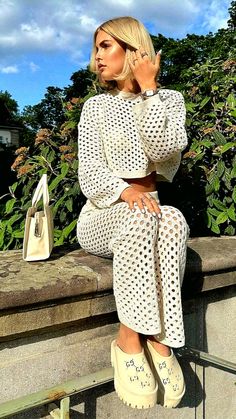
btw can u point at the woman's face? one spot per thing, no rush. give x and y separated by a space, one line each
110 56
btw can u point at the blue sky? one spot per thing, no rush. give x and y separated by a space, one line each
42 42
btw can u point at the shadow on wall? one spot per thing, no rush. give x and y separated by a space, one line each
194 308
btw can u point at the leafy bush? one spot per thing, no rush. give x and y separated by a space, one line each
209 166
54 153
205 185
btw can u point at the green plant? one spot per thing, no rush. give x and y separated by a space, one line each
211 159
55 153
205 184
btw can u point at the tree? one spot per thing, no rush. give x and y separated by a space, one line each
180 55
49 113
232 20
9 102
82 81
203 68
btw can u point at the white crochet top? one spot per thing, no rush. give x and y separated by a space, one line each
123 136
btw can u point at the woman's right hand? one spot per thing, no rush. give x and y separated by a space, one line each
132 195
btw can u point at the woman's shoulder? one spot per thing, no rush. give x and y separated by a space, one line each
94 99
166 94
92 105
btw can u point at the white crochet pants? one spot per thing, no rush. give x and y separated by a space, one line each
149 258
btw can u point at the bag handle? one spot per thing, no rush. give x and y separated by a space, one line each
41 190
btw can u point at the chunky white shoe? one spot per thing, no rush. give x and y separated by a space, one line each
168 373
133 379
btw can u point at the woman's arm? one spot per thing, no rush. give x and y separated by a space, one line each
161 124
97 181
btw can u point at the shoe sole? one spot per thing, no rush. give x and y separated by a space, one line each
169 402
133 400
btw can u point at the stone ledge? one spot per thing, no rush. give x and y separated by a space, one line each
36 318
72 272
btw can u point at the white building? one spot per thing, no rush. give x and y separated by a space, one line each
9 136
9 132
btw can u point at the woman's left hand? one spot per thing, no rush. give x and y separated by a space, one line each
144 71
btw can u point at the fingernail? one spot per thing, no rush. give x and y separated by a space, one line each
159 215
133 209
160 51
154 214
143 211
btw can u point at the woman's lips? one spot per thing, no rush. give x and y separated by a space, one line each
101 67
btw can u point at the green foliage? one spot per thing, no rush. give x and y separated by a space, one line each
232 16
209 165
54 152
203 68
179 55
49 113
82 82
10 103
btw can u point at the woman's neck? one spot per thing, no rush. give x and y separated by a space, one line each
128 86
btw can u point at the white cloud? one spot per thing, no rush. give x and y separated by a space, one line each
122 3
215 16
52 26
11 69
33 67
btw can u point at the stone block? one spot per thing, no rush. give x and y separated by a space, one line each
57 314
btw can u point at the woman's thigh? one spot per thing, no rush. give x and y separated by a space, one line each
96 230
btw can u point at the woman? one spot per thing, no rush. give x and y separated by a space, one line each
130 138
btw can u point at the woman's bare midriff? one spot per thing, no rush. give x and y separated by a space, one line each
144 184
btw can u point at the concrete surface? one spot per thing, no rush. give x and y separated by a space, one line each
57 319
71 273
32 363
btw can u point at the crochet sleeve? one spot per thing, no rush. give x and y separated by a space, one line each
161 125
97 181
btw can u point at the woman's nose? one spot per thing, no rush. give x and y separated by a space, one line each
98 55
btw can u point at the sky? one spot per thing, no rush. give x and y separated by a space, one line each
43 42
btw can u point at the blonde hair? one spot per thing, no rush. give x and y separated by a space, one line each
132 34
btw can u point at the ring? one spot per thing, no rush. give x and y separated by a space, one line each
149 197
143 54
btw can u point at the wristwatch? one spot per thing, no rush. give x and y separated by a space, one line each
148 93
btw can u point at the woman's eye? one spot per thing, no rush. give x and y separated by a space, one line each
103 46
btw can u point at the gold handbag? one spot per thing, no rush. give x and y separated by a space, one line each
38 236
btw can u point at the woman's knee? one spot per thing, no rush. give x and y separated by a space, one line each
137 218
136 227
174 219
143 221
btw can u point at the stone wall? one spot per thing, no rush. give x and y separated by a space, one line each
58 318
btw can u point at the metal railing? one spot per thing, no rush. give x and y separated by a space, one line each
65 390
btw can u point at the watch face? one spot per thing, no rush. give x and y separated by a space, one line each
149 92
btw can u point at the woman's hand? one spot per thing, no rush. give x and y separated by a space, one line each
144 71
132 195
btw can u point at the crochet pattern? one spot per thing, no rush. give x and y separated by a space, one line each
123 137
120 135
148 265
